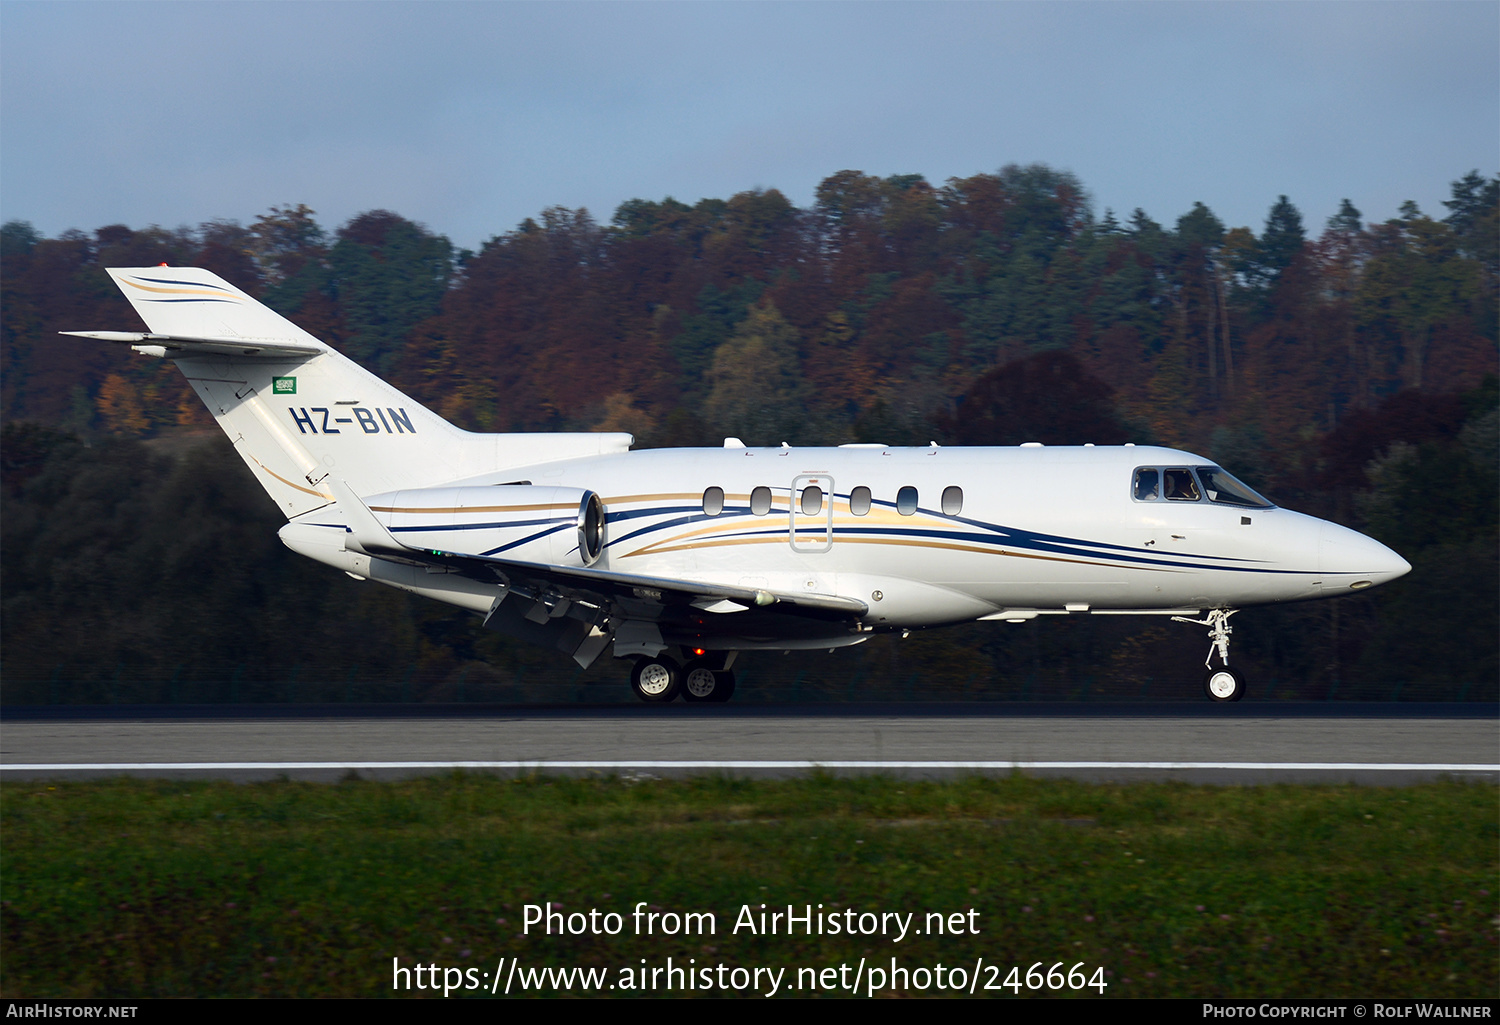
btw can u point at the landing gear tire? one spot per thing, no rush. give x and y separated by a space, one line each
725 690
1224 685
701 683
656 679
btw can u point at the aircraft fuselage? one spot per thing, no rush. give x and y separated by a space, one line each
1025 529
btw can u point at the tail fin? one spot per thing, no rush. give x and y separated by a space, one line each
186 302
297 410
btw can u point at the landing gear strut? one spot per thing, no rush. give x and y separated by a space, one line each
1222 684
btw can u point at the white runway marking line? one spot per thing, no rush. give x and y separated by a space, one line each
742 764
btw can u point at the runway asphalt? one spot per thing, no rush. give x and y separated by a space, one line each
1199 742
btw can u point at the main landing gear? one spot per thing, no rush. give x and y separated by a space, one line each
656 679
659 679
1222 684
702 683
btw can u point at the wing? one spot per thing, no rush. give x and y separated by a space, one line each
675 611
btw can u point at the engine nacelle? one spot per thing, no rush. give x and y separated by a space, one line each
528 523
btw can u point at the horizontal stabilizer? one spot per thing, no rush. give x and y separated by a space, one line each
175 346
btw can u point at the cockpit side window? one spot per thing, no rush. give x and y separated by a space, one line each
1147 484
1179 484
1223 488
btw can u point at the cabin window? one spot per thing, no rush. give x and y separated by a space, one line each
760 501
906 500
713 501
1223 488
859 501
812 500
1147 484
953 500
1180 485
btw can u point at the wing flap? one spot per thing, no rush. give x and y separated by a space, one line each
690 591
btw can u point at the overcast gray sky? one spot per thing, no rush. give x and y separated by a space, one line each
470 117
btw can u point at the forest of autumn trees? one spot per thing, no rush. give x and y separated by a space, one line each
1332 369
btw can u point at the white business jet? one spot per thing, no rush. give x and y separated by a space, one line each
575 542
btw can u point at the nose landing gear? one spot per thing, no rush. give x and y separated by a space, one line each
1222 684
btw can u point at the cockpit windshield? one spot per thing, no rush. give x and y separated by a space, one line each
1222 487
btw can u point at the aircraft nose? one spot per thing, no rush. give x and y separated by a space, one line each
1348 560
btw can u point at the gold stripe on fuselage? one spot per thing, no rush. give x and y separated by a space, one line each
664 547
455 510
624 499
809 526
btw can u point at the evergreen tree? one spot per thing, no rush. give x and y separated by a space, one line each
389 275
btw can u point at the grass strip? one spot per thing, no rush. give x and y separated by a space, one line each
140 888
